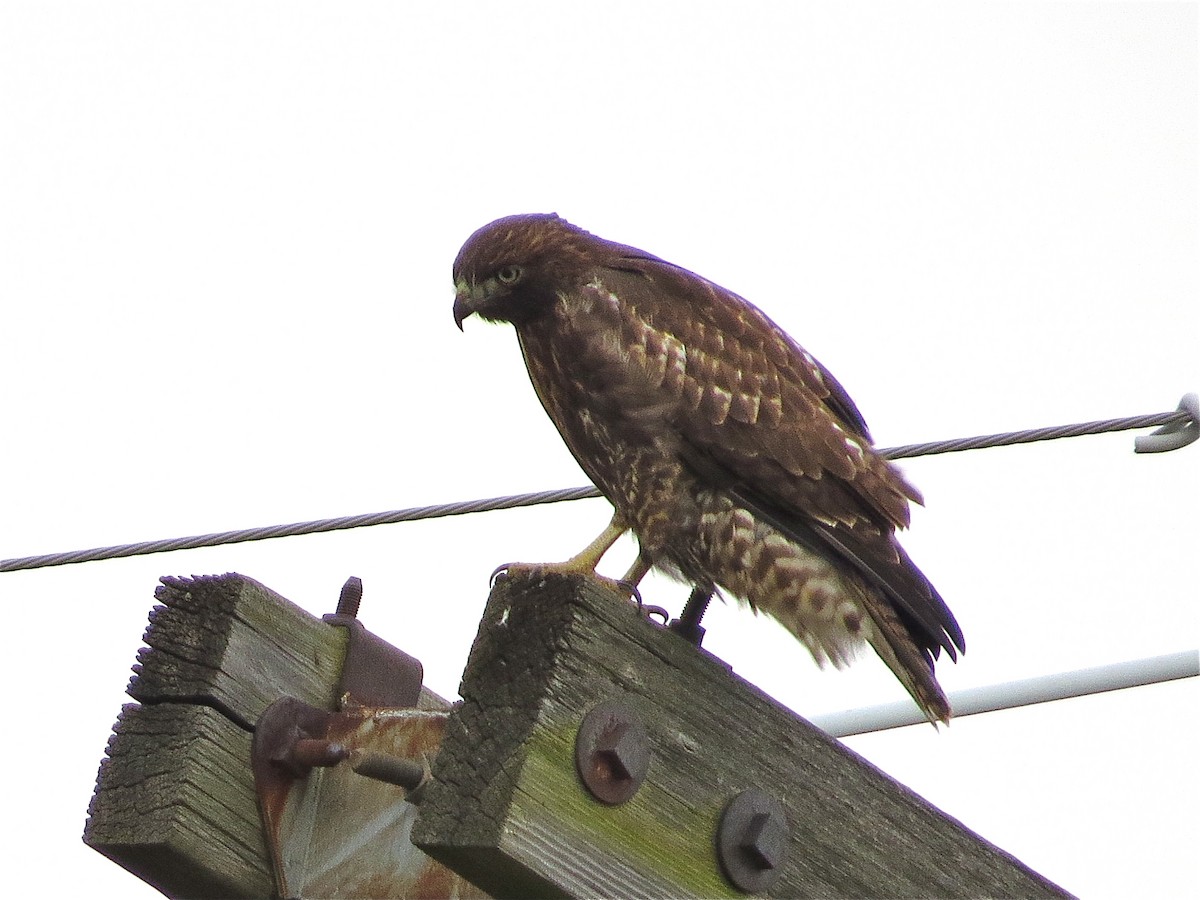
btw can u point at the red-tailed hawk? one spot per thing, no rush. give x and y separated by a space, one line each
737 460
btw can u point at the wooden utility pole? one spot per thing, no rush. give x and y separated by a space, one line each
595 754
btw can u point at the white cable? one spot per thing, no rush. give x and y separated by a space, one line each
1012 694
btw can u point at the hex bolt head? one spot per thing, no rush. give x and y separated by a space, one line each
621 750
752 840
765 841
612 752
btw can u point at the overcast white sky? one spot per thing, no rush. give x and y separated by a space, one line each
227 231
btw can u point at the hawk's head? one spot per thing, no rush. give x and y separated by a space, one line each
512 269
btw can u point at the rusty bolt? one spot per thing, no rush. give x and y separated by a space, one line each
350 597
305 753
612 752
409 774
752 840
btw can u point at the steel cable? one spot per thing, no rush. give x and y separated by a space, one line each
1178 428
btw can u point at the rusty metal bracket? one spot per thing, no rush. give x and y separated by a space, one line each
333 829
273 760
337 790
375 673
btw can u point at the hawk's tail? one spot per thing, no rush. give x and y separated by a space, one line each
890 639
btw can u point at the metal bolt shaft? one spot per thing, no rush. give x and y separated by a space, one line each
304 754
409 774
350 597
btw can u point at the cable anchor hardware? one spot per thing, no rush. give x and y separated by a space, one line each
1176 434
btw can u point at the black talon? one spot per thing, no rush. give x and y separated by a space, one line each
648 611
499 572
688 626
644 608
634 594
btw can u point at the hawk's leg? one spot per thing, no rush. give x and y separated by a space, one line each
588 558
636 573
688 624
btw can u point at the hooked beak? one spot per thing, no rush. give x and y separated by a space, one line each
463 307
467 300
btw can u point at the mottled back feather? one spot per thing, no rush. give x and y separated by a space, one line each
808 468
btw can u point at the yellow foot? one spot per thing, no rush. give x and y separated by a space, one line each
619 585
585 562
582 563
533 570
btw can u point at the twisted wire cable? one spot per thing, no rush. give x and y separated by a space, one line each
314 527
1178 427
1182 421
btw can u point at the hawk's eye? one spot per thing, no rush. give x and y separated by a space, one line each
509 274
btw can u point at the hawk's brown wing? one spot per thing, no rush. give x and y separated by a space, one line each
759 417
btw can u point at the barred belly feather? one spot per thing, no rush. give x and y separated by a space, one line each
805 592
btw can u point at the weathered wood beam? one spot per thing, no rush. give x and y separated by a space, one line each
228 642
508 811
175 801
